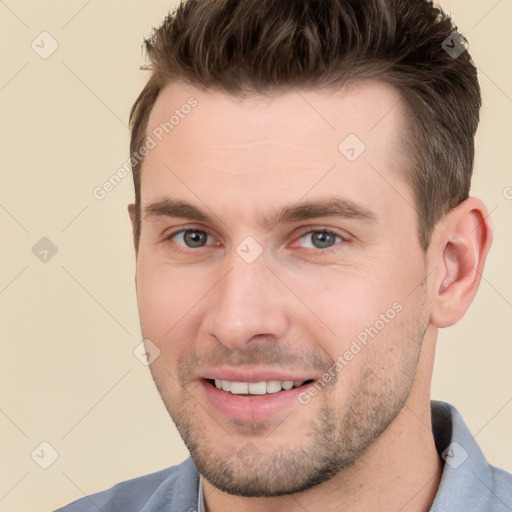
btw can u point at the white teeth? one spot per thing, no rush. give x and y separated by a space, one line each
273 386
239 388
256 388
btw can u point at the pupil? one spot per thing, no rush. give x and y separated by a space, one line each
322 239
195 238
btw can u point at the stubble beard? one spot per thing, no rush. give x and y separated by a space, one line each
332 442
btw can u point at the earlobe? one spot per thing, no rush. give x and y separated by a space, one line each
462 244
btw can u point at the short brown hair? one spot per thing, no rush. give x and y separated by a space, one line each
251 47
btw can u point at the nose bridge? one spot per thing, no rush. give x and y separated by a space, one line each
245 304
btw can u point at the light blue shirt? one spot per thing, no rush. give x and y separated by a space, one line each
468 483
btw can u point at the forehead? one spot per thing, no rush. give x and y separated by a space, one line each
295 141
315 119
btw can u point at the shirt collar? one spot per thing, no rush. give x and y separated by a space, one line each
467 481
200 500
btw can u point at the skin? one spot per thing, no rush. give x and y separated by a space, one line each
364 442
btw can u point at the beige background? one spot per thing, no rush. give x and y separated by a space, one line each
70 325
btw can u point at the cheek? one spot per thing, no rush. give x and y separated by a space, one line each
166 308
343 301
166 297
349 308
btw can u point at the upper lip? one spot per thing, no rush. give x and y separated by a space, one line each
254 374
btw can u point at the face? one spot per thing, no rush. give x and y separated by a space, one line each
280 279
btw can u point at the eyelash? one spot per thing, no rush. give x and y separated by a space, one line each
327 250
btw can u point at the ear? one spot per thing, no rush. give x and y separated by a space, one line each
459 247
132 212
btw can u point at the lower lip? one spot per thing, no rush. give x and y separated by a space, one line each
251 408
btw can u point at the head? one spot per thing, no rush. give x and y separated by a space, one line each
306 218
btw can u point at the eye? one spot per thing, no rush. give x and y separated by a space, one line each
192 238
321 239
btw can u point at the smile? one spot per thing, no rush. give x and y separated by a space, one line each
257 388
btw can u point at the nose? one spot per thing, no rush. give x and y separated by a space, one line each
247 305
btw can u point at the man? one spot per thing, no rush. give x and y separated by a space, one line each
303 228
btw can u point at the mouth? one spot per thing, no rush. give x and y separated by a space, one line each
257 388
255 401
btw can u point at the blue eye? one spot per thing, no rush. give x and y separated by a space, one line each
191 238
320 239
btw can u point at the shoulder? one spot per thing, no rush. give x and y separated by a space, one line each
149 492
500 494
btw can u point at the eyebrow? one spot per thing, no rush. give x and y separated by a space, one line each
172 208
326 207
